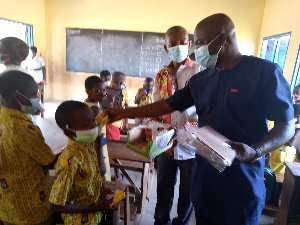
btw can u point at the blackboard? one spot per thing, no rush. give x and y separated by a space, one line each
138 54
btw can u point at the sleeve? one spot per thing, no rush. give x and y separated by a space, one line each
42 62
137 94
65 174
181 100
277 97
34 144
156 93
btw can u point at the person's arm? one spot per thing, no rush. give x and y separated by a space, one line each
139 97
152 110
279 135
98 145
44 73
101 205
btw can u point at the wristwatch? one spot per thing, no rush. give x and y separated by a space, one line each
258 153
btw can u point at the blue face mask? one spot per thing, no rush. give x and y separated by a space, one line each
1 61
123 86
35 105
147 89
178 53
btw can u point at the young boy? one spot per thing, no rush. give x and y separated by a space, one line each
96 92
76 192
25 157
296 94
106 77
144 96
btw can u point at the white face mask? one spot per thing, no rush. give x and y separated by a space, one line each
35 105
107 83
204 58
178 53
85 136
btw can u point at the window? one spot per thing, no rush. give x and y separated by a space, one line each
22 31
275 48
296 74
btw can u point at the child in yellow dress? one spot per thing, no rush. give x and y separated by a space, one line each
25 157
76 193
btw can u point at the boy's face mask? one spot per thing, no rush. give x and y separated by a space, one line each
148 90
107 83
35 105
85 136
98 98
123 86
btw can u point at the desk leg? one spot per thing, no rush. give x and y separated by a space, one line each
127 208
287 191
144 188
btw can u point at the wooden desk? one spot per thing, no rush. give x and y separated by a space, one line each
125 159
292 172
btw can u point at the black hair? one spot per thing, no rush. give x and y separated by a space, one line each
104 73
13 81
149 79
91 81
64 111
296 109
115 75
33 48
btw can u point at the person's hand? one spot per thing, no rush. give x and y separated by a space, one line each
102 205
144 93
244 152
114 114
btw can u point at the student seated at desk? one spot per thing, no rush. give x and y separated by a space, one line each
144 96
96 92
76 193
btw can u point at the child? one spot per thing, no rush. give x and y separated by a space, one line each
144 96
76 192
96 92
296 94
106 77
25 157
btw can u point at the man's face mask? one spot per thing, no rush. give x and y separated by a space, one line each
204 58
123 86
85 136
35 105
178 53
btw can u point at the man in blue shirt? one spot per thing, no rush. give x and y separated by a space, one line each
235 95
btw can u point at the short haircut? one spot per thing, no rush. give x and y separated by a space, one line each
13 81
91 81
104 73
149 79
115 75
65 110
15 48
296 109
33 48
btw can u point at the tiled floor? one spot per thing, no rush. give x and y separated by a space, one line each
57 140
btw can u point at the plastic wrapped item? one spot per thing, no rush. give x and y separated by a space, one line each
150 140
115 197
208 143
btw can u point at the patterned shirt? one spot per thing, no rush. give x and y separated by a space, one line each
78 182
146 99
25 187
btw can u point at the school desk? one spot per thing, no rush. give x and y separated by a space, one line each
127 160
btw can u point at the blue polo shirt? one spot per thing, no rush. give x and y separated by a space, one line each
236 103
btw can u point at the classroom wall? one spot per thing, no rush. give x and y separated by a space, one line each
134 15
30 12
282 16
